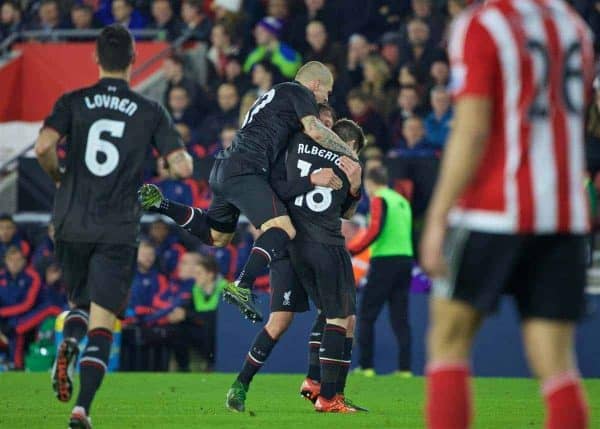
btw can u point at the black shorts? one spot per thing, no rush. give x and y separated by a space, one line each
287 293
546 274
98 273
325 271
250 194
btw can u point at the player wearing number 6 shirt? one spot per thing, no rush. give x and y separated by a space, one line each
511 190
240 177
109 130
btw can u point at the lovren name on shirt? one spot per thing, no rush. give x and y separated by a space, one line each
111 102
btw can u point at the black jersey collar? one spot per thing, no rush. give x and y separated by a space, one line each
120 83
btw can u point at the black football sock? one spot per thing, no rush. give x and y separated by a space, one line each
343 375
258 354
76 324
266 248
314 343
93 365
332 358
193 220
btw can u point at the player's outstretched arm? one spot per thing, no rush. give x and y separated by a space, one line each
45 151
326 138
180 164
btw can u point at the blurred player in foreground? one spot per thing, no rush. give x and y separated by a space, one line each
513 171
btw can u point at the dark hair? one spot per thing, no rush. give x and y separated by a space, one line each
5 217
209 263
348 130
84 7
327 107
196 4
115 48
174 87
43 2
357 94
377 175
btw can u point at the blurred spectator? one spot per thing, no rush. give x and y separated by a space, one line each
227 114
315 10
358 51
408 76
201 314
279 9
407 105
197 25
46 247
233 75
390 50
263 79
82 17
353 231
165 19
371 122
9 237
227 136
10 18
437 123
419 50
21 307
439 74
183 191
54 291
590 11
320 48
147 288
376 85
48 18
123 13
414 143
220 52
268 47
424 10
180 107
168 248
174 71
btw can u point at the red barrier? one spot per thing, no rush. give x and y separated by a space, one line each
10 85
47 70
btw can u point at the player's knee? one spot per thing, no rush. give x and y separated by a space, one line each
282 222
278 323
351 325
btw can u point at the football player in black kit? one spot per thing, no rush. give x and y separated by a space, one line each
321 261
109 130
240 177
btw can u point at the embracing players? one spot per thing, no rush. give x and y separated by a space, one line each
109 130
240 176
288 295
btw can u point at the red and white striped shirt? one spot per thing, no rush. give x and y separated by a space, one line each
534 60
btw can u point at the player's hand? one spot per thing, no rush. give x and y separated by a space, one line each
353 171
327 178
431 248
150 197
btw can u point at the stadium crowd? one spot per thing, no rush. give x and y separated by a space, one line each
391 77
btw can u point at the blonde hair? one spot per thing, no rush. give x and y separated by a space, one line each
314 70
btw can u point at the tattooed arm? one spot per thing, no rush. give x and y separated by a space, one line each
180 164
326 138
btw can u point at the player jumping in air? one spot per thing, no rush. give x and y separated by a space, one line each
109 129
513 170
240 177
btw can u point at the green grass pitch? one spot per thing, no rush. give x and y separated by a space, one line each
196 400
